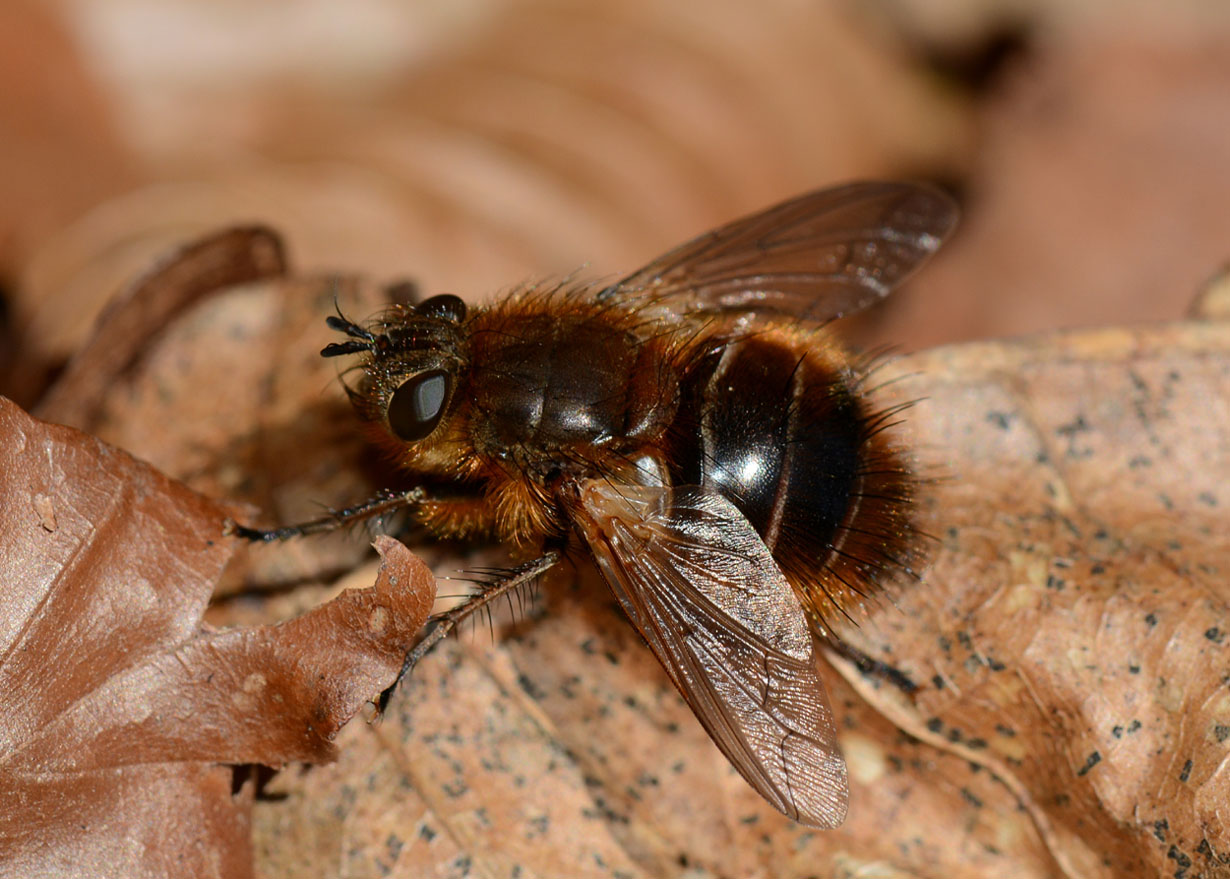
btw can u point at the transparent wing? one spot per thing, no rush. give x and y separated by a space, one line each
702 588
818 256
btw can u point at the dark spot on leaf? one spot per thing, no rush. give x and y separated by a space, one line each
1179 858
1091 761
531 689
1074 427
393 843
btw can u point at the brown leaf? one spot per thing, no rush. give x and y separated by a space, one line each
1072 609
1213 301
180 370
1071 633
60 150
126 327
495 159
566 748
1097 196
563 750
117 703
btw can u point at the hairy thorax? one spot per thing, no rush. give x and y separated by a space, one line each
570 393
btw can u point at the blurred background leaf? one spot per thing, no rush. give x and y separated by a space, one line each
473 146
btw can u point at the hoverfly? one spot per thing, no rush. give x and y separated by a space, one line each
698 430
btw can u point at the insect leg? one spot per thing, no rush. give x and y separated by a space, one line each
444 623
385 502
870 666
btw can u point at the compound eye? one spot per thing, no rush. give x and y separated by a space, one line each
446 306
417 405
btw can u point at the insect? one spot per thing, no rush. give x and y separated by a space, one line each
698 431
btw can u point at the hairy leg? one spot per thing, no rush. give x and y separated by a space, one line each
442 624
448 515
385 502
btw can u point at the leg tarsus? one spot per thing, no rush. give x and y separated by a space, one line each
442 624
871 666
384 502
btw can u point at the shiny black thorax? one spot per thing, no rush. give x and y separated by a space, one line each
559 392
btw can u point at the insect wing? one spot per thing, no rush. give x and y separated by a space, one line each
700 585
818 256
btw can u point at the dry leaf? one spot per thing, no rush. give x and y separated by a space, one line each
180 370
1072 633
119 705
1038 638
482 163
59 150
1098 195
126 327
1068 642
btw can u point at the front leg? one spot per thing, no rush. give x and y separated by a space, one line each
449 517
385 502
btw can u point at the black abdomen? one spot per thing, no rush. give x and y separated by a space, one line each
778 433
